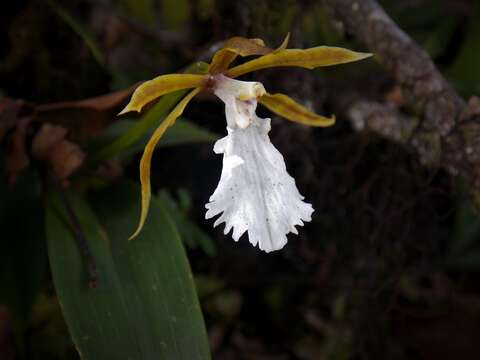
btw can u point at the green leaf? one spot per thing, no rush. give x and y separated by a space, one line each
161 276
190 233
182 132
145 306
100 320
80 30
186 132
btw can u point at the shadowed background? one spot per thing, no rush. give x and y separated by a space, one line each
388 267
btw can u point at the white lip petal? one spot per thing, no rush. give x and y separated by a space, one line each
241 90
255 193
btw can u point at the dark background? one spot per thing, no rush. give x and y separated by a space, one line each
387 269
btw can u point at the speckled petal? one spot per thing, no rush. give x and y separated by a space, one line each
255 193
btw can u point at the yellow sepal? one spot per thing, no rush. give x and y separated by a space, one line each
146 160
307 58
239 46
289 109
234 47
161 85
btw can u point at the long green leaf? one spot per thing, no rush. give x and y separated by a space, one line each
182 132
100 320
79 29
151 310
161 283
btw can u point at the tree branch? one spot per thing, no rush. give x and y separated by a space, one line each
448 133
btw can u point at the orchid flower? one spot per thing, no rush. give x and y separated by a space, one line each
255 193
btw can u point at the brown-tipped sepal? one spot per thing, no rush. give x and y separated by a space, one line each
236 46
305 58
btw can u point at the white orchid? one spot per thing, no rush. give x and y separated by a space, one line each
255 193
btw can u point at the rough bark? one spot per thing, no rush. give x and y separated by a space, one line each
447 133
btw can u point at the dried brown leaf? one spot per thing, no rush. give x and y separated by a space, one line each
9 110
51 145
87 117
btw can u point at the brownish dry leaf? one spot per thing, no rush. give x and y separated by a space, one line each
46 138
84 118
9 110
64 157
111 170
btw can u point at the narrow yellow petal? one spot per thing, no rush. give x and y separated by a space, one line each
221 61
305 58
163 84
246 47
234 47
146 160
284 43
289 109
